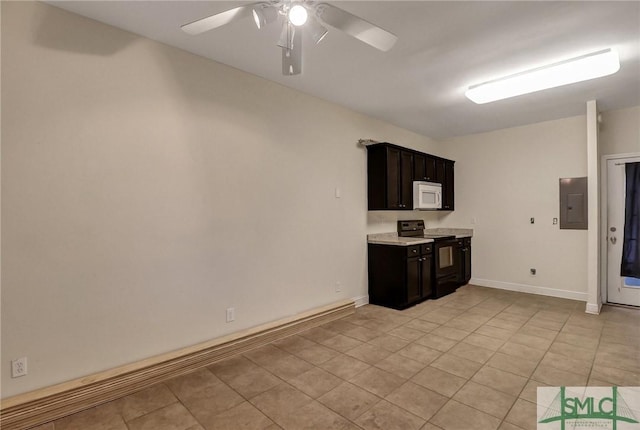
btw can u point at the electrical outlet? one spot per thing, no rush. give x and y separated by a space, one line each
532 272
555 221
19 367
231 314
338 286
533 220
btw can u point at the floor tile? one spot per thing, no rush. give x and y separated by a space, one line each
456 416
485 399
574 365
436 342
377 381
315 354
521 351
386 416
243 416
500 380
456 365
363 334
618 376
280 401
523 414
497 332
520 366
419 353
472 352
556 377
287 367
172 417
407 333
251 382
318 334
145 401
104 417
439 381
315 416
344 366
389 342
341 343
315 382
417 400
484 341
422 325
400 366
532 341
368 353
349 400
451 333
530 391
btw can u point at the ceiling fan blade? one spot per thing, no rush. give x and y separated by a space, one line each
292 57
217 20
357 27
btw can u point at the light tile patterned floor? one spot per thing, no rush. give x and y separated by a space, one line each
471 360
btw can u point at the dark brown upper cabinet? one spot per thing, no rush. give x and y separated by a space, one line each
390 178
391 171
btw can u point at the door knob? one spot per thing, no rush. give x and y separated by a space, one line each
613 240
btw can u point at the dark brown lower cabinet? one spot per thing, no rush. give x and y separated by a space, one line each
400 276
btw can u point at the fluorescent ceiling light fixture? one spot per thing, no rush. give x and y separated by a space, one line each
583 68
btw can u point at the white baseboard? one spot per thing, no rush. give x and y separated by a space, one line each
361 301
531 289
593 308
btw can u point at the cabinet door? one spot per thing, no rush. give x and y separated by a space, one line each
448 193
466 252
406 180
413 279
393 178
430 169
419 167
440 177
426 273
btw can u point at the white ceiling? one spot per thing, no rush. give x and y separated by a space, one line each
443 48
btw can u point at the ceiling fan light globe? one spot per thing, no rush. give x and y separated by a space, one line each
298 15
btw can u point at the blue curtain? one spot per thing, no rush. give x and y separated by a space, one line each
631 246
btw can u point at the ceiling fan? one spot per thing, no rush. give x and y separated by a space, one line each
297 15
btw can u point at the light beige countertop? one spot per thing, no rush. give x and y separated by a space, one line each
393 239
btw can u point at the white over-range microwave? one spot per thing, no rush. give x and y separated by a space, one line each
427 195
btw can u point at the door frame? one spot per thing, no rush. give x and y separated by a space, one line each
602 229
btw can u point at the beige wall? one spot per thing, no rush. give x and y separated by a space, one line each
620 131
503 179
145 190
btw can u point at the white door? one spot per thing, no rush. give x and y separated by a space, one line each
620 289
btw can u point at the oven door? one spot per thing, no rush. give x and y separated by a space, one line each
447 258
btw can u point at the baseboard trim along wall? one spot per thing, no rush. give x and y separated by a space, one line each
531 289
361 301
593 308
50 403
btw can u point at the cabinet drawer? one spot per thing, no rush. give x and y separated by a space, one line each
413 251
426 248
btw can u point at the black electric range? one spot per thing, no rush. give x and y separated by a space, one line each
446 266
